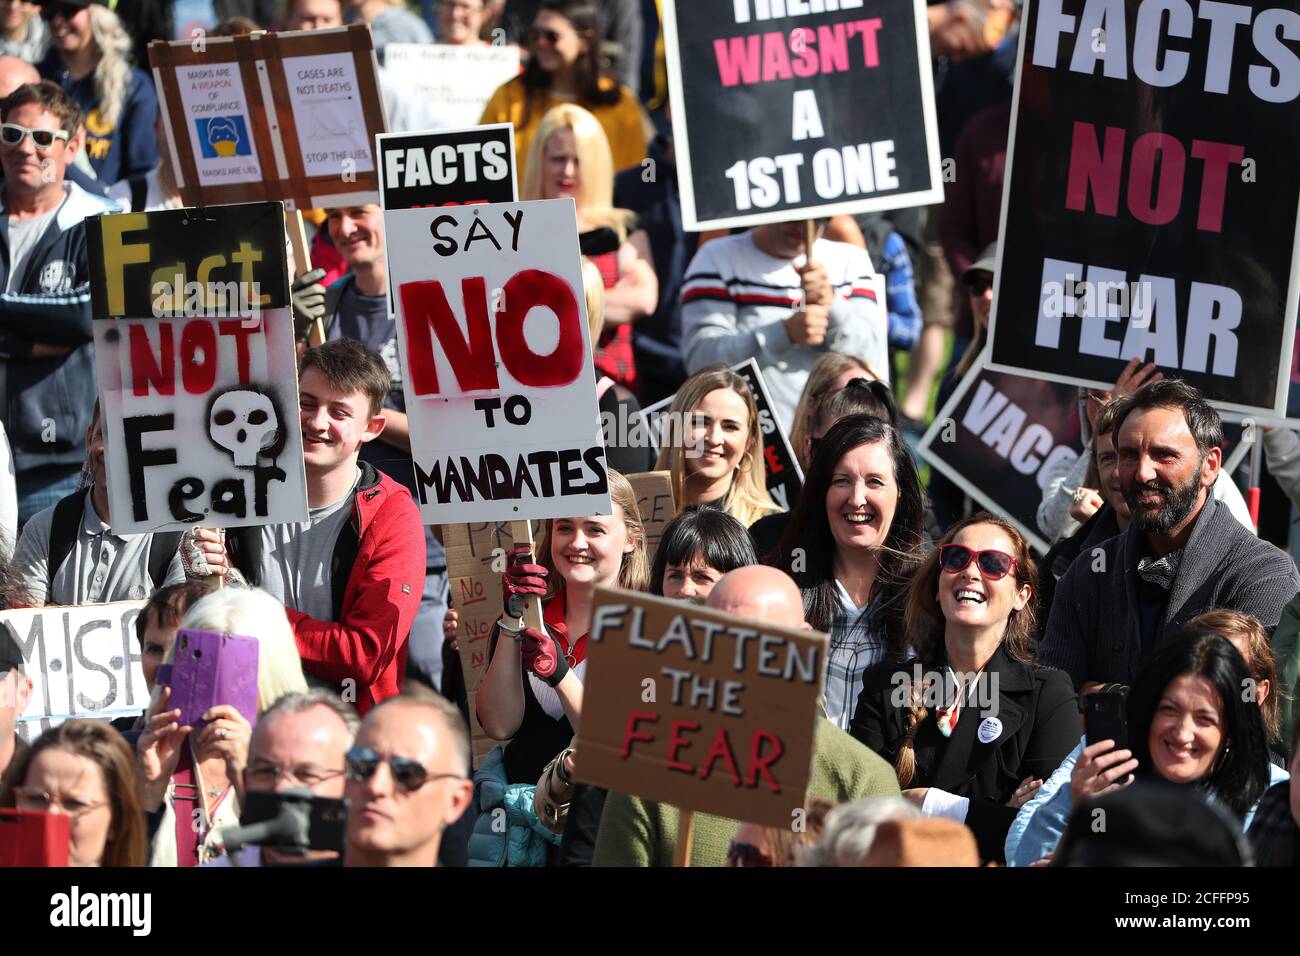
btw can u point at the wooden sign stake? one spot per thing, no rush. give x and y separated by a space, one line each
685 834
522 534
302 264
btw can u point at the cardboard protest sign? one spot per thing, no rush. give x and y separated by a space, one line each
83 661
194 355
460 79
496 360
272 116
1133 221
997 438
476 556
461 167
798 111
654 500
701 710
784 476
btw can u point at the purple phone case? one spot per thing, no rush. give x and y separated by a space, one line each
211 669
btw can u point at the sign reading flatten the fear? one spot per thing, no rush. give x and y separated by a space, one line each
498 374
1151 197
198 381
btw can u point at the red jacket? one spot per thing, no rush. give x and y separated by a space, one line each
377 576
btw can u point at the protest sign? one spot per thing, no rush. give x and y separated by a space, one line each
194 355
496 360
459 167
460 79
1151 198
272 116
476 559
784 476
84 661
654 500
707 712
798 111
999 436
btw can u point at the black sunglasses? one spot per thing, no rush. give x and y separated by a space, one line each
362 763
65 10
981 284
994 565
746 854
550 36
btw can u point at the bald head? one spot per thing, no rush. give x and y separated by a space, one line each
762 593
14 73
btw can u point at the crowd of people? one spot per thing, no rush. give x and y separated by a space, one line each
960 664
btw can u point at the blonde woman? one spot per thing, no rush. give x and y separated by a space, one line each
88 57
829 374
531 694
197 778
712 445
570 159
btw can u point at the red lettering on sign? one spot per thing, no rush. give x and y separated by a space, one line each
472 359
631 734
147 373
721 749
758 763
524 291
241 332
677 742
198 357
774 466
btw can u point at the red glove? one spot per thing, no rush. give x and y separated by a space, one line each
542 656
519 581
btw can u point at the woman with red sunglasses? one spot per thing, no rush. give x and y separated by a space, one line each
971 724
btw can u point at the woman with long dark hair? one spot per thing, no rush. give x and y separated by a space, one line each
852 545
972 724
565 66
1188 722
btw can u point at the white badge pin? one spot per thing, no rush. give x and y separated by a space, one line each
990 730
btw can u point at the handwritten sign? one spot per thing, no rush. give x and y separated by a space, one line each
84 661
654 500
700 710
194 355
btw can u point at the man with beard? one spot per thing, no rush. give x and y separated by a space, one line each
1182 553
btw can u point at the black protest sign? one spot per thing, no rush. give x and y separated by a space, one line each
800 109
784 476
998 438
196 367
447 168
1151 197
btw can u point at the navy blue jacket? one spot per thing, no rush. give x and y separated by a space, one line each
130 146
49 303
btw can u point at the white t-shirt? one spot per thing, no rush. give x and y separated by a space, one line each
24 234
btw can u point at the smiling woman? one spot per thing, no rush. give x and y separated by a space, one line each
851 545
1002 723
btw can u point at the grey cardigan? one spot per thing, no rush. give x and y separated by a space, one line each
1093 631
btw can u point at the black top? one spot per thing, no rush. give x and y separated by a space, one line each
539 737
1030 725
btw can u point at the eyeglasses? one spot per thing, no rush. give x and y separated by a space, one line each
31 798
746 854
11 134
994 565
362 763
65 10
551 37
269 774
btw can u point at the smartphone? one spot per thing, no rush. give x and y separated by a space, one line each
211 669
327 817
1105 717
33 838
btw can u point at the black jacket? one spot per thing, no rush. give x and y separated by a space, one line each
1039 719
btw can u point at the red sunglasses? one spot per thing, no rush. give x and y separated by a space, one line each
994 565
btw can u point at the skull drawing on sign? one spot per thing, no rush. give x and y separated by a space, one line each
245 423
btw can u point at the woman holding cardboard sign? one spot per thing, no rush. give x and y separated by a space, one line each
711 444
972 724
852 544
531 693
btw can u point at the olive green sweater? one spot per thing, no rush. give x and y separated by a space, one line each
636 832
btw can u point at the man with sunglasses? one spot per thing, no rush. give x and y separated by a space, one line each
407 780
45 339
1183 552
299 742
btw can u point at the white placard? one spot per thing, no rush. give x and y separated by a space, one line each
220 126
460 79
327 110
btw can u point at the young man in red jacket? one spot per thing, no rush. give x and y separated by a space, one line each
351 576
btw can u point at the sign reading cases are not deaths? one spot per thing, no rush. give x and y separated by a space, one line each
1151 199
499 381
802 109
194 352
707 712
